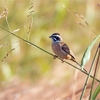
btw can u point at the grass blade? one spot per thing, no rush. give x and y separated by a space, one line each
87 53
96 92
87 79
95 72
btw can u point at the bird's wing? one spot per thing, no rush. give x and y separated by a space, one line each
66 49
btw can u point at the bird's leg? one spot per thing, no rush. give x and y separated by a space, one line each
62 60
55 56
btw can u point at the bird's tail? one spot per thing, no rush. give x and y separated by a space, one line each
78 64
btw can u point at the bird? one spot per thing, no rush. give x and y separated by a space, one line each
61 49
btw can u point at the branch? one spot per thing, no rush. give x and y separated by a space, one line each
46 51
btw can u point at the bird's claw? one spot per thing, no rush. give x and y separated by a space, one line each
54 57
62 60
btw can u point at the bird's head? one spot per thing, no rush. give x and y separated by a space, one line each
55 37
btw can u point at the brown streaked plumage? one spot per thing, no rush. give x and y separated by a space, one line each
61 49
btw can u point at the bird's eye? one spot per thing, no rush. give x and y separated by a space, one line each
56 38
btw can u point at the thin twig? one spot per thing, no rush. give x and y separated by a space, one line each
8 24
7 54
5 37
46 52
29 20
82 19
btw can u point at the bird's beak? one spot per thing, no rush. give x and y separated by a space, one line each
50 36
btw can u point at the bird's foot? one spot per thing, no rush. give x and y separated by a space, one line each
54 57
63 60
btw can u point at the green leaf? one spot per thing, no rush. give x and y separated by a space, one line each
87 53
96 92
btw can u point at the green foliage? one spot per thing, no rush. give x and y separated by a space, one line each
87 53
96 92
90 70
49 16
32 24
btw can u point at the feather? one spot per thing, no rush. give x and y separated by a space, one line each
66 49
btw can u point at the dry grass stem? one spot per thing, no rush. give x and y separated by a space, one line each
16 30
7 54
4 13
29 20
6 44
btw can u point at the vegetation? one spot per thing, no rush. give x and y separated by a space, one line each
25 54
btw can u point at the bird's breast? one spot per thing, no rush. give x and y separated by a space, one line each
58 50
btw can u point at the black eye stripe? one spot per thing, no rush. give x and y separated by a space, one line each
56 38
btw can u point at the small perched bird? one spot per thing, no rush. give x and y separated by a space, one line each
61 49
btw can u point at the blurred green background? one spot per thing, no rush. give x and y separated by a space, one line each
49 16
